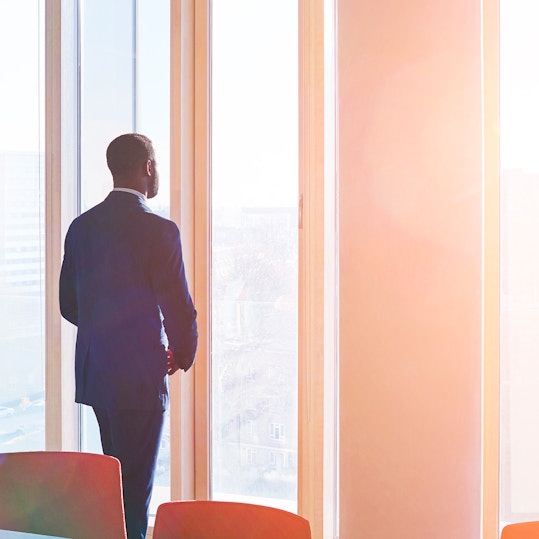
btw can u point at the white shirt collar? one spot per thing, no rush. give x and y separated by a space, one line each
132 191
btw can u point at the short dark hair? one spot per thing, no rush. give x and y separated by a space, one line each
126 152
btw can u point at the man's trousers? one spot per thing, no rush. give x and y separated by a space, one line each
133 437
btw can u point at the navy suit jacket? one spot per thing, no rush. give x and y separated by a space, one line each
123 284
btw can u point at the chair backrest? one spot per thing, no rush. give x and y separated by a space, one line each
521 530
65 494
227 520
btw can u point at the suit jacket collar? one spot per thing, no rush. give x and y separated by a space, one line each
127 199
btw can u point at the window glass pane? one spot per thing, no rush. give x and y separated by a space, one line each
519 138
125 74
107 89
254 268
22 357
107 103
153 89
153 119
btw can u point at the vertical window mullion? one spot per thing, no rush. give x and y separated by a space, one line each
491 270
312 329
61 196
182 210
202 239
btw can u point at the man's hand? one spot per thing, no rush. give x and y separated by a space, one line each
172 366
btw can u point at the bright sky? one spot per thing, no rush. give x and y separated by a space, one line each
519 86
255 103
245 89
20 99
255 132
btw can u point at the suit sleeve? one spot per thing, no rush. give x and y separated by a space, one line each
171 289
68 292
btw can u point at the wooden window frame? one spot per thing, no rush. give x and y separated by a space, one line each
190 185
190 189
491 271
61 207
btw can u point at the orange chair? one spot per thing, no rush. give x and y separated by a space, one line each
75 495
521 530
227 520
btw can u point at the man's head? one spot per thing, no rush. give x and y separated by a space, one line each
131 160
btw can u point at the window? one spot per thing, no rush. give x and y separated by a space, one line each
250 457
240 236
22 227
125 81
254 231
519 195
277 431
251 428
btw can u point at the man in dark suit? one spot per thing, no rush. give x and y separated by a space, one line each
123 284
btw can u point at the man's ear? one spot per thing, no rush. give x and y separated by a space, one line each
149 168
